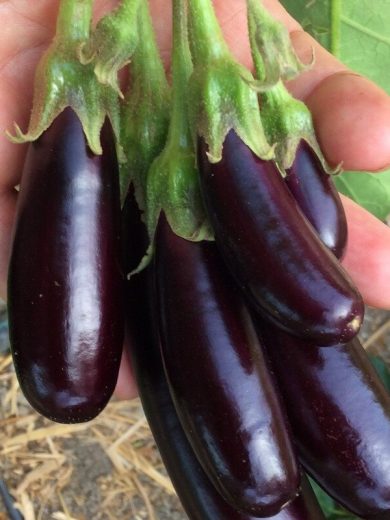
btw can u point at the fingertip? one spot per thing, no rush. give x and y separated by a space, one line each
7 217
367 256
352 120
126 388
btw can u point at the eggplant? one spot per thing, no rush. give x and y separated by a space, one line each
199 498
224 396
317 197
65 286
273 251
340 414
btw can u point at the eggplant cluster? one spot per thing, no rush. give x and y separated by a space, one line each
245 349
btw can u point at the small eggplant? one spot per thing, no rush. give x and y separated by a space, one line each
65 285
198 496
340 414
273 251
317 197
224 396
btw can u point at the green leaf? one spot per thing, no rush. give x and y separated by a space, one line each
313 16
372 191
357 31
330 508
382 369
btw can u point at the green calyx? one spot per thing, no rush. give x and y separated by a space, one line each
273 55
173 188
112 43
287 121
62 81
173 180
145 110
220 89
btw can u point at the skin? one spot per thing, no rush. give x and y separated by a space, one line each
351 116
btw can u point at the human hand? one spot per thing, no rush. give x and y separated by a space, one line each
350 113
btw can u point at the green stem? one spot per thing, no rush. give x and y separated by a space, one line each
74 20
128 7
179 128
335 34
276 95
147 67
207 42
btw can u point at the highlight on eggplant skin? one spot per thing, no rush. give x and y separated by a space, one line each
340 414
273 252
317 197
223 393
65 285
199 498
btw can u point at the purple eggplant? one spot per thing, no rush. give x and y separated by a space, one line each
273 251
223 393
340 414
198 496
318 199
65 286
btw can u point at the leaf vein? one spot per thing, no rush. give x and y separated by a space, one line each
365 30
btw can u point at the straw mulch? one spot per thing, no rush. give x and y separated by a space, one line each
107 469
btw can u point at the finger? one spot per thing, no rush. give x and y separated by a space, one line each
12 155
367 255
28 31
25 33
352 120
351 114
126 387
7 214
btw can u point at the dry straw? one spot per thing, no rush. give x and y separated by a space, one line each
39 466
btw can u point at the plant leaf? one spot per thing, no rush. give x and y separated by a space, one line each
382 369
330 508
357 31
372 191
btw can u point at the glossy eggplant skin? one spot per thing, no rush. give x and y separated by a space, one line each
198 496
272 250
340 414
223 393
317 197
65 290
